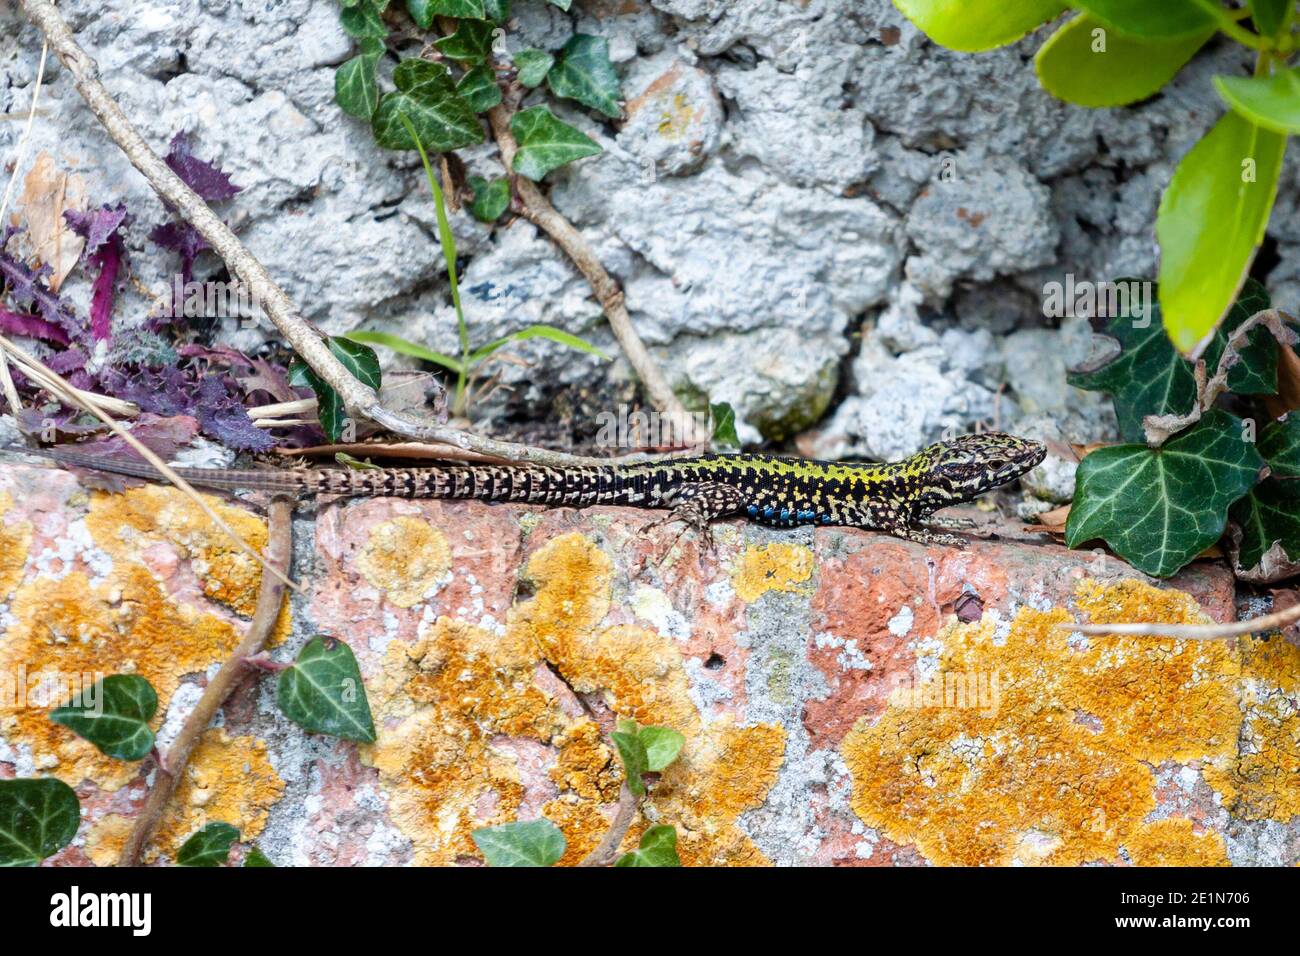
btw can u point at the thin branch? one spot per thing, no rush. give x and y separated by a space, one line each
1202 632
606 852
270 597
539 211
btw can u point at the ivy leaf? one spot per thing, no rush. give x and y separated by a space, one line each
1279 443
491 198
114 717
1077 66
497 11
1272 102
526 843
363 20
974 25
1142 18
1159 508
329 404
1269 517
631 750
724 425
658 847
662 745
323 692
533 65
423 11
256 858
427 97
38 818
405 347
478 87
1256 370
1269 15
359 359
584 73
355 88
470 44
1229 179
546 143
209 846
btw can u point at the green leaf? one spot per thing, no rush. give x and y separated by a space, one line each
1269 15
562 4
324 694
423 11
1080 67
1211 220
1256 370
724 425
256 858
1279 443
359 359
427 97
497 11
329 404
115 718
533 65
526 843
347 461
355 89
539 332
38 818
1272 102
973 25
1160 508
470 44
546 143
363 20
1144 18
584 73
631 750
209 846
404 347
491 198
658 848
478 87
1268 516
662 745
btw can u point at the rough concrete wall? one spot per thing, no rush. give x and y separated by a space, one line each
774 204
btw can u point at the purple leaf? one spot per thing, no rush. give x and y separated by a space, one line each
162 436
203 177
102 231
183 238
28 289
71 360
223 418
97 227
172 391
15 323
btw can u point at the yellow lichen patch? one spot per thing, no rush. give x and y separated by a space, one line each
126 524
15 539
1173 842
106 838
1263 782
1054 766
458 708
771 567
126 625
407 558
228 780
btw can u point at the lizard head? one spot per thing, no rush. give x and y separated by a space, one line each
968 466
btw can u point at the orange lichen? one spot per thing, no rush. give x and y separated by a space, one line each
456 708
15 539
406 557
1057 770
106 837
772 567
1173 842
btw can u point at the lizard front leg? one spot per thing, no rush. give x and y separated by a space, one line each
901 523
950 522
697 505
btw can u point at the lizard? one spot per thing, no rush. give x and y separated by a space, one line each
897 498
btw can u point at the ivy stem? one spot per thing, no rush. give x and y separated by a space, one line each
1229 25
270 597
606 852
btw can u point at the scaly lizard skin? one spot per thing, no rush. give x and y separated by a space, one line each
896 498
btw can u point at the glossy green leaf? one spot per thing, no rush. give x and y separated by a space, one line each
583 73
491 198
658 848
1272 102
1269 517
662 745
498 11
1279 443
533 65
1211 221
631 750
1159 508
255 858
1151 18
355 88
478 87
549 332
209 846
724 425
329 404
363 20
471 44
423 11
1256 370
427 98
358 358
398 344
1269 15
38 818
114 716
1082 66
526 843
973 25
324 694
546 143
